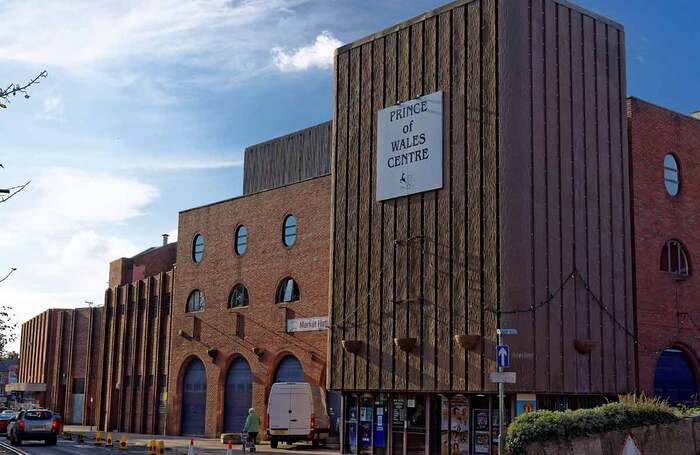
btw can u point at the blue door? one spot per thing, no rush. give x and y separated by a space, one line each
674 379
289 370
194 399
239 395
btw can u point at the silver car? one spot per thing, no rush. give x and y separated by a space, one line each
33 425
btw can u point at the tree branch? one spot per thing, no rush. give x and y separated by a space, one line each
14 190
12 270
14 89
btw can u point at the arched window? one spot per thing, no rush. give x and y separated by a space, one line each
674 259
241 240
195 302
288 291
289 233
672 180
198 248
238 297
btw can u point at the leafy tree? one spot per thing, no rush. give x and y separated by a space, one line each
7 328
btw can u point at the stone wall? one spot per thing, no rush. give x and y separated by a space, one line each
681 438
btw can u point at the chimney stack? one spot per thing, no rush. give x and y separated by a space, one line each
165 239
695 114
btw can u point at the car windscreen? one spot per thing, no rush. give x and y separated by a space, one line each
37 415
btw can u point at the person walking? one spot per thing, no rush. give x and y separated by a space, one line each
252 426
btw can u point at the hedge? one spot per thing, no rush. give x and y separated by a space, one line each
629 412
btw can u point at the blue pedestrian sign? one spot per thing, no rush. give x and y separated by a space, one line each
502 356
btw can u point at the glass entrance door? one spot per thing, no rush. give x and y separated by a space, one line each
409 423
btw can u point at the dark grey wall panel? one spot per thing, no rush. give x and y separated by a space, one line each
288 159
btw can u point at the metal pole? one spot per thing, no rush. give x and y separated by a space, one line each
500 403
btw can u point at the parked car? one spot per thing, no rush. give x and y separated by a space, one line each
296 411
34 425
5 417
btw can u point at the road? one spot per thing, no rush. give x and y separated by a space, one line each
63 448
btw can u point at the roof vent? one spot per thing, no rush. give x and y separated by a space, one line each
165 239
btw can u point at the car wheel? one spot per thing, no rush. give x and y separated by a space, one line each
18 441
314 443
51 441
273 443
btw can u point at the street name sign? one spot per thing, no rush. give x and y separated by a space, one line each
503 377
507 331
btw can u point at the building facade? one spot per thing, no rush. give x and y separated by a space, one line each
134 355
529 228
58 352
664 151
251 295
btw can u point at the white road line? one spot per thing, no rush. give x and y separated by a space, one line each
6 446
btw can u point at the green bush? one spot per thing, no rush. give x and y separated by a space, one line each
629 412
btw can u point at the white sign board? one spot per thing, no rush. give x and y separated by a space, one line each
307 324
409 147
506 377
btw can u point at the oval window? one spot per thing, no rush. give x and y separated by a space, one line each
198 248
241 240
672 179
290 230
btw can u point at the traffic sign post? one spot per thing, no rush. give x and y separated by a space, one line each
503 361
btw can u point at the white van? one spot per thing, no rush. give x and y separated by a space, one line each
296 411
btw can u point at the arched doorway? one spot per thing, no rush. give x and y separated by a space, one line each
194 399
289 369
239 395
674 378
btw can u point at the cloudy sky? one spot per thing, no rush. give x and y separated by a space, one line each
149 105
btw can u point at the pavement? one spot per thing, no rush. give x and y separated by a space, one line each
137 444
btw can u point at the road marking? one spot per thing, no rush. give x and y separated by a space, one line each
12 449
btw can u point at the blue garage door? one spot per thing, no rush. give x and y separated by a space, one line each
194 399
239 395
674 379
289 370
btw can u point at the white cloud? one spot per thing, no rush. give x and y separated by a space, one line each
176 166
56 234
319 54
53 108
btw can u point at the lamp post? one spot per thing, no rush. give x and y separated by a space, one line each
92 414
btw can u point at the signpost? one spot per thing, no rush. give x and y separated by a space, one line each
503 361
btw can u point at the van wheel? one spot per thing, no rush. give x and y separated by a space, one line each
51 441
273 443
315 443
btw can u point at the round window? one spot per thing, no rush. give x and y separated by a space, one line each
241 240
672 179
198 248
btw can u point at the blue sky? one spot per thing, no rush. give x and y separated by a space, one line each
149 105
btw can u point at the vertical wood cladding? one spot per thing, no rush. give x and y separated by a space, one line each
298 156
564 198
417 266
535 188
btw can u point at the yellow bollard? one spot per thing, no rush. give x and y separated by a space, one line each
161 447
122 443
108 441
151 447
98 439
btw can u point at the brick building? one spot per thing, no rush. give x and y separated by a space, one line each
665 160
135 329
58 352
251 272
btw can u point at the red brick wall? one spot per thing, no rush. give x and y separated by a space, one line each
665 307
264 264
149 263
